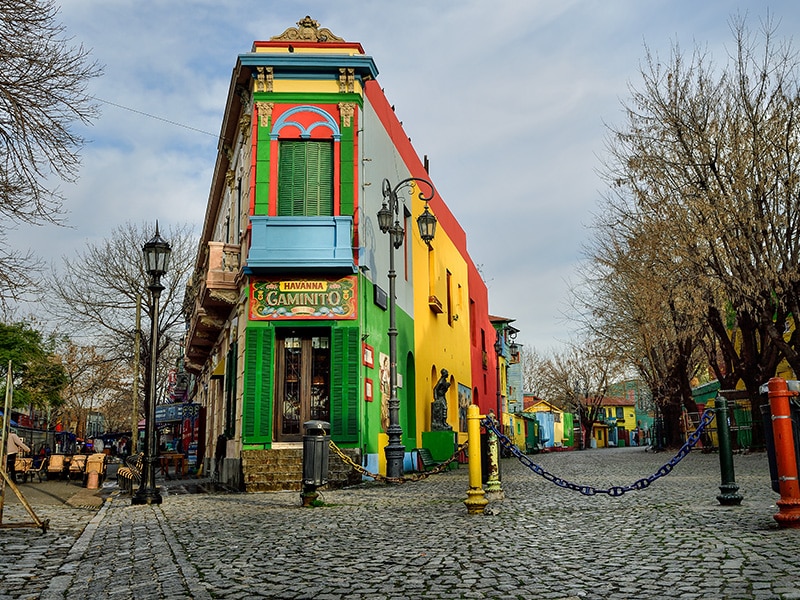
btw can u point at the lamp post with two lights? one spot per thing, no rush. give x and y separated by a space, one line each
389 222
156 258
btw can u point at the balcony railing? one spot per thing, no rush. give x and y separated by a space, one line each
301 243
211 296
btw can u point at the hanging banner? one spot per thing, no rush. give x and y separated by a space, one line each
321 298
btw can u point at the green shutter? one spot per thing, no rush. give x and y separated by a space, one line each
345 392
230 391
305 179
291 172
258 388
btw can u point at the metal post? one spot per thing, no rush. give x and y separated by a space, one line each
135 391
788 514
493 485
476 498
148 493
729 495
395 450
389 222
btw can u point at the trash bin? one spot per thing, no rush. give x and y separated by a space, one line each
769 437
315 453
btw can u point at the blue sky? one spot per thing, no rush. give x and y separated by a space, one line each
508 99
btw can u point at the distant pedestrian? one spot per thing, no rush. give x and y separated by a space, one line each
15 444
219 455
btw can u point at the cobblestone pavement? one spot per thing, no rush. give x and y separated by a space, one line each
416 540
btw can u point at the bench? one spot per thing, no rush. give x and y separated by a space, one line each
425 460
130 474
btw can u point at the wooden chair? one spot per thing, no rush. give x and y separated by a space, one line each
96 463
22 466
77 467
56 466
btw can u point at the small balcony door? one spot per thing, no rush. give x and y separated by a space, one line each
303 382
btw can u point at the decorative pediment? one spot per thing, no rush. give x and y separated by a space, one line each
308 30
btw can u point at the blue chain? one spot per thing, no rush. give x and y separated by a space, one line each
615 491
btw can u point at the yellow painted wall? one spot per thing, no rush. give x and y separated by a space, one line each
441 343
310 86
517 435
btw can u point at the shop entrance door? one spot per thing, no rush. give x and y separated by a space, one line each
303 383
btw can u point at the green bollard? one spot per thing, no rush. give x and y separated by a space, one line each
729 495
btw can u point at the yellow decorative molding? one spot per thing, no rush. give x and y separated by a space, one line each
230 178
244 126
308 30
346 112
347 80
264 79
264 112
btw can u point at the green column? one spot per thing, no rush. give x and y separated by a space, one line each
729 491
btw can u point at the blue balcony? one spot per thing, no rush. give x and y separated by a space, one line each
301 243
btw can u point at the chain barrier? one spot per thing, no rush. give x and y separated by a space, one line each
614 491
382 478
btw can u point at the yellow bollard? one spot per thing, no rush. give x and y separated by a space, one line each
476 498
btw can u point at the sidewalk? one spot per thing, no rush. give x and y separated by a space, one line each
416 540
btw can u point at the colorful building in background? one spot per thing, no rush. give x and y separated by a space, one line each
616 422
288 308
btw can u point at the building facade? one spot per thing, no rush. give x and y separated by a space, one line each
288 308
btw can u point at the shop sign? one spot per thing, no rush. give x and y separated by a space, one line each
289 299
176 412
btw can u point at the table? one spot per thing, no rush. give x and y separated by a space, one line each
176 460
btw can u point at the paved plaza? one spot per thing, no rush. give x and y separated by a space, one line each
672 540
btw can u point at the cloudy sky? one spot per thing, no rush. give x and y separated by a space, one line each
509 100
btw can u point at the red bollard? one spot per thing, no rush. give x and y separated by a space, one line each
785 457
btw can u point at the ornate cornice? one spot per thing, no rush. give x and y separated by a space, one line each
307 30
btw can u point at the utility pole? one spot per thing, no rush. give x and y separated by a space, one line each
136 356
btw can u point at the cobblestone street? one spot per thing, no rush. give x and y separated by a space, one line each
416 540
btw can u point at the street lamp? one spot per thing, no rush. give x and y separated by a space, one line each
156 257
389 222
498 350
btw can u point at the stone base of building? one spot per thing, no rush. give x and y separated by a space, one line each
282 469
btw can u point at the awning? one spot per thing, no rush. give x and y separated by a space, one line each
219 370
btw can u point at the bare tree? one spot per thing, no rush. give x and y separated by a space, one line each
578 380
533 371
97 293
43 79
708 161
644 308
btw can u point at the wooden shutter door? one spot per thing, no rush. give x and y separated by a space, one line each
345 389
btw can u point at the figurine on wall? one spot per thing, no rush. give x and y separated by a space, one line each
439 404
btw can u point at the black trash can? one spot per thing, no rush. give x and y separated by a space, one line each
769 437
315 453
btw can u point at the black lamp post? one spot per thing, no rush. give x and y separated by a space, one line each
498 350
156 258
389 212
